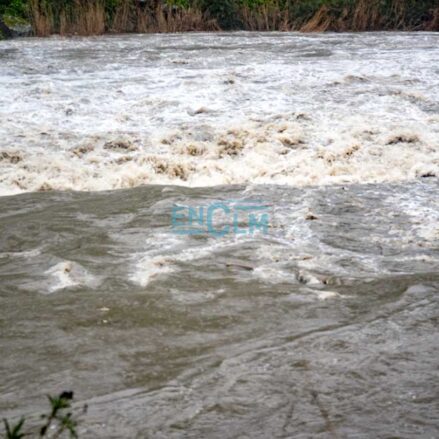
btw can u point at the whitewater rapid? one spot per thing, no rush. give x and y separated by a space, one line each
324 325
114 112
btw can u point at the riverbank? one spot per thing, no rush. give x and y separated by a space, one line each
95 17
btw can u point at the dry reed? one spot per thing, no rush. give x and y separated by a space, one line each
89 17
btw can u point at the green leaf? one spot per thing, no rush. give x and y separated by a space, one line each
15 433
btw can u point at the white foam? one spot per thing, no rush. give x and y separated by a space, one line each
274 274
148 269
24 254
325 295
366 113
68 274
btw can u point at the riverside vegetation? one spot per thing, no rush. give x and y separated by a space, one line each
94 17
59 421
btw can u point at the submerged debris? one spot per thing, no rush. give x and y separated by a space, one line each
311 217
403 138
11 157
120 145
194 150
79 151
173 170
230 147
45 187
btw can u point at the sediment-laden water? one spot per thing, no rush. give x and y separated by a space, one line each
323 325
119 112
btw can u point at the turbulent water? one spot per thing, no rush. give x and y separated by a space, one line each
119 112
325 326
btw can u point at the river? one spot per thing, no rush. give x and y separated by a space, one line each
321 322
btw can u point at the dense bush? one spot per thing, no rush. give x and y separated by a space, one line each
15 8
225 12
